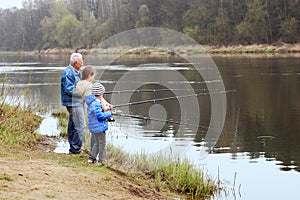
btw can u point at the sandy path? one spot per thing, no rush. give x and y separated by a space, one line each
46 179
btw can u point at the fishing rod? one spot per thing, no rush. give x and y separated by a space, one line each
151 90
169 121
169 98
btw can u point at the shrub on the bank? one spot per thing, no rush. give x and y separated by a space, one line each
177 175
17 125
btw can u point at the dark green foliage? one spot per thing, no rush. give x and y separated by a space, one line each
85 23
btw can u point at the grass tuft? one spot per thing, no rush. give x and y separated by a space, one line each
63 117
176 175
5 177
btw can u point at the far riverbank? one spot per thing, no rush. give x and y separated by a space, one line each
280 48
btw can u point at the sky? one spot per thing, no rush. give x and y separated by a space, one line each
10 3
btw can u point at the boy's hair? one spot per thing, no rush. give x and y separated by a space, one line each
98 89
88 70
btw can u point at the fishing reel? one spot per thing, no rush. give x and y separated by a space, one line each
111 119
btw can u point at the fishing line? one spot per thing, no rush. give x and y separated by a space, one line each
151 90
169 98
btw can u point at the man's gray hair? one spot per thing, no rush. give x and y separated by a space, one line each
75 57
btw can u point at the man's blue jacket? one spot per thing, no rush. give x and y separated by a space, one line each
69 79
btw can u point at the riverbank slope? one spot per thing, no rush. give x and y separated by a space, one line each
39 175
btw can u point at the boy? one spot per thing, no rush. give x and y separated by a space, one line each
97 121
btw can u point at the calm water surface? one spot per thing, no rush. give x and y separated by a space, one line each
258 153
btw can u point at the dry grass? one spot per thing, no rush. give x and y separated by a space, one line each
278 48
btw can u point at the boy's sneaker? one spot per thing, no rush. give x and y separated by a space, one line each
91 161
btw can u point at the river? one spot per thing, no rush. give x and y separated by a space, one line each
256 153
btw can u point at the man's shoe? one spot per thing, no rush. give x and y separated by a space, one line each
76 152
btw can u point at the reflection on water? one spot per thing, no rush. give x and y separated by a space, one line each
258 151
62 146
49 126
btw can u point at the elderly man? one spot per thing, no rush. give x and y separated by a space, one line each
73 103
